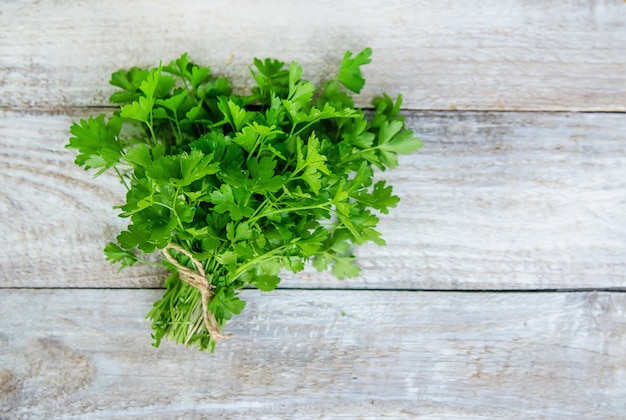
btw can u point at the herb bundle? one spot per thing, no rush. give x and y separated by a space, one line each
234 189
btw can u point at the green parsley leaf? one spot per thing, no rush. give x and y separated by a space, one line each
115 254
391 142
229 200
129 81
97 143
265 282
350 73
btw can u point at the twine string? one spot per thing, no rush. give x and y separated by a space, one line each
198 280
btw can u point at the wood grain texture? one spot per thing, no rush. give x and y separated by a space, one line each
493 201
56 217
480 55
86 353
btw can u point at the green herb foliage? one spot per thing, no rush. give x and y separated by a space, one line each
250 185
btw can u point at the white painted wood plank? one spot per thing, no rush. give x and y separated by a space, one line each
493 201
55 216
487 55
86 354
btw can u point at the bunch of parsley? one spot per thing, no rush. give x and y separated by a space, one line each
249 185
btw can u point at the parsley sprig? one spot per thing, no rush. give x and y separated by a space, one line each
248 185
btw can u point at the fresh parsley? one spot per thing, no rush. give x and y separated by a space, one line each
248 185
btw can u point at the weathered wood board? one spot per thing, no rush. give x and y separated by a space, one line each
311 354
487 55
493 201
497 208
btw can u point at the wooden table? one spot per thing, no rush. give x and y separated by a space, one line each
500 293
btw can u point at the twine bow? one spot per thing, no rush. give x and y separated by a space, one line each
199 281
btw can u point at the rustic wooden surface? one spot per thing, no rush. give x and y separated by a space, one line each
312 354
493 201
497 55
515 221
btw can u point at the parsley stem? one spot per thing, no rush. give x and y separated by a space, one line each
180 222
121 178
261 258
305 127
173 131
154 140
287 210
260 208
179 137
315 121
163 205
151 263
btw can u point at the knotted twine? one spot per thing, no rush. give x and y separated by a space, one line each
199 281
